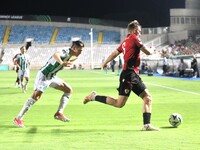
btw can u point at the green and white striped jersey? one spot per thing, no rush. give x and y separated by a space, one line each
23 61
52 66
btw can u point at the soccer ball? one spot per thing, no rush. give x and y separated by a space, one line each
175 119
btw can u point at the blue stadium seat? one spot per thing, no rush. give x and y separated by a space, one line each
65 34
111 37
43 34
40 34
2 31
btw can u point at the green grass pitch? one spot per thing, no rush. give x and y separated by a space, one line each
97 126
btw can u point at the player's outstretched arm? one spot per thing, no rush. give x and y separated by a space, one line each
147 51
112 56
56 55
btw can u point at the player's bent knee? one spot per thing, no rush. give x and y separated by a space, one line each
37 95
68 95
148 99
120 105
68 90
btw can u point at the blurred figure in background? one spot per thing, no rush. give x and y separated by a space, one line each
165 65
22 62
112 65
119 66
181 67
194 66
16 66
105 69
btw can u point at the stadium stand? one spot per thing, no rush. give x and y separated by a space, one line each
43 34
66 34
2 31
111 37
40 34
190 46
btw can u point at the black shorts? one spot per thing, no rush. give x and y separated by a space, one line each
17 69
130 81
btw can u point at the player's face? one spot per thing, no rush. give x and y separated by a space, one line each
77 51
23 50
138 31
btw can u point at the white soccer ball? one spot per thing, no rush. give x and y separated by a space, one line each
175 119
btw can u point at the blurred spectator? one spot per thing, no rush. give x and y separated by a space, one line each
106 67
112 65
188 46
150 71
165 65
194 66
144 67
181 67
1 54
80 67
119 66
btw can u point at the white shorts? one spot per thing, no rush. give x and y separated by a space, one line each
42 83
23 73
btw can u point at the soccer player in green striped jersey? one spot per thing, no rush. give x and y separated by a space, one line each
22 62
15 61
46 77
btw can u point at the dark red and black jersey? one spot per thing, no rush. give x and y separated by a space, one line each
130 47
15 57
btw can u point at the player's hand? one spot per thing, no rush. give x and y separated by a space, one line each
72 59
67 63
104 65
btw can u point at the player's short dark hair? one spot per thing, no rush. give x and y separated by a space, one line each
78 43
28 44
22 47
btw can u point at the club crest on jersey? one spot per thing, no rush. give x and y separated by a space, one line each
126 91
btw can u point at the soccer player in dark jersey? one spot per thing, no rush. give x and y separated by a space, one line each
129 77
16 68
46 77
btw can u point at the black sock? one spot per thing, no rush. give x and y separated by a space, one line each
101 99
146 118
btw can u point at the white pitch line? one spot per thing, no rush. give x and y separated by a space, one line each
175 89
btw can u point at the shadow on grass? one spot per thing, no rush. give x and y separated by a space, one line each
6 87
4 90
61 129
168 127
32 130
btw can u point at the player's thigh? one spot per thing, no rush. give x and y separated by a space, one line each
27 73
61 85
20 74
145 94
139 88
41 84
